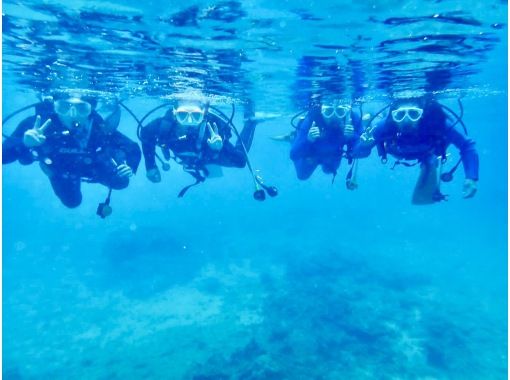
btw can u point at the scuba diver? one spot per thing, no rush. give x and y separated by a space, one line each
321 137
197 136
420 129
73 143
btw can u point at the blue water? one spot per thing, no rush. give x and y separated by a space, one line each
318 283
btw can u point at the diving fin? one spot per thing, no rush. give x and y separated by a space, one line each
260 117
427 186
284 138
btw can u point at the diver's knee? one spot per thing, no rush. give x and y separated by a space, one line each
237 162
120 183
71 202
330 169
303 176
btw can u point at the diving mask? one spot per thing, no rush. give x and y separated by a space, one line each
73 107
327 111
411 113
189 115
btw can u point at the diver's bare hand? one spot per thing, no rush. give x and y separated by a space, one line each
215 142
351 184
35 137
314 132
124 170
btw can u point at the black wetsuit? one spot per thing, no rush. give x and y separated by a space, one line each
189 144
327 150
434 133
66 162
